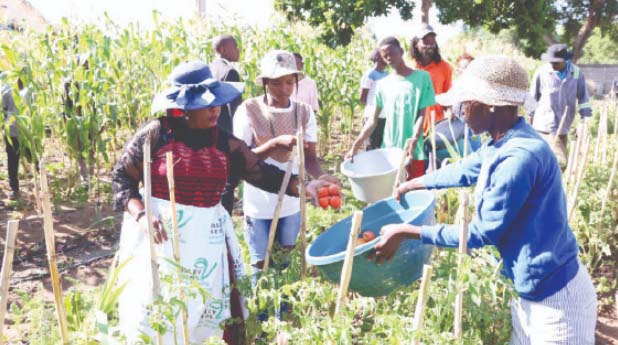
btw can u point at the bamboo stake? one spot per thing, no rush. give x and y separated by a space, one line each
579 179
154 269
402 166
581 133
275 221
567 172
417 322
169 160
612 175
48 228
597 144
434 160
303 200
561 126
615 116
605 128
7 266
463 249
466 139
346 271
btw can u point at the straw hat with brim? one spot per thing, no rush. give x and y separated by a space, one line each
276 64
492 80
557 53
193 87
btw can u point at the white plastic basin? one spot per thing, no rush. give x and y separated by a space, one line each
372 174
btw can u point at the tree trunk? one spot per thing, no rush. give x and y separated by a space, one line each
425 6
593 20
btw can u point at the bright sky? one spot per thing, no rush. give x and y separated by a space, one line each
256 12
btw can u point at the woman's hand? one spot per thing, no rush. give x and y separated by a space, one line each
284 142
330 179
160 235
391 237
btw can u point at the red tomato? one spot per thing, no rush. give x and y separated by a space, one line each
368 235
335 202
324 202
323 192
334 190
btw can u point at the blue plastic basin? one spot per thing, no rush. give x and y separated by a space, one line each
327 252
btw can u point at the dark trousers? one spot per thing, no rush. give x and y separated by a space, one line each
12 153
375 140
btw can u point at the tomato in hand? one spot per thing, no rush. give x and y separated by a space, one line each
324 202
335 202
323 192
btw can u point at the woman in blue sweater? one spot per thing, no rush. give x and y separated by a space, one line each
520 208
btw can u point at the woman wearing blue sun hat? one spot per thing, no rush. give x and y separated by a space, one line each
204 156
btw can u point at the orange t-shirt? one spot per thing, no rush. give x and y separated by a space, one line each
441 74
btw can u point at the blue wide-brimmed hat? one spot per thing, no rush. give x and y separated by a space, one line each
194 87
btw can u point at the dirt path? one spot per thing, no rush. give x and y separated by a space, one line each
84 245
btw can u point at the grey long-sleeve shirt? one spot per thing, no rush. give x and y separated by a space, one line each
554 96
8 108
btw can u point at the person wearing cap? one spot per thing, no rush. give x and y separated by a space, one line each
425 54
204 156
269 124
404 96
307 89
520 208
560 89
227 52
368 83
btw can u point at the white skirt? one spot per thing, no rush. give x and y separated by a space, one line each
203 235
567 317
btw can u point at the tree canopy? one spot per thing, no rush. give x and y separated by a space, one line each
536 23
338 19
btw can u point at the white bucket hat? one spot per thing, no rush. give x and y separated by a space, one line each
277 63
492 80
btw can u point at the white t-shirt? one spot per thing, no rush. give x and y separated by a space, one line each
370 81
256 202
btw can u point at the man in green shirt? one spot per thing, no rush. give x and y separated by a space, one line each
403 96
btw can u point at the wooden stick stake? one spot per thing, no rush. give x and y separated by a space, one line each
434 159
612 175
303 200
560 127
48 228
580 177
569 167
275 221
463 249
154 269
169 160
604 134
402 166
346 271
615 116
581 133
417 322
597 144
7 266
